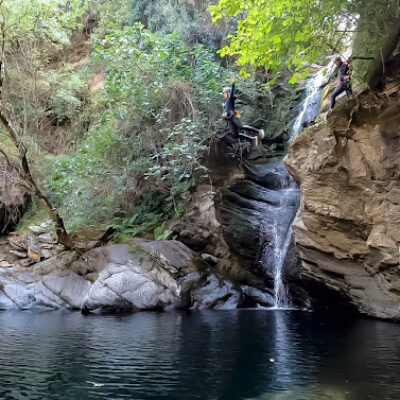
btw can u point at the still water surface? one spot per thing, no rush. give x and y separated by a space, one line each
200 355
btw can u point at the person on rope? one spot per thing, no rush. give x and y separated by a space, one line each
233 116
343 85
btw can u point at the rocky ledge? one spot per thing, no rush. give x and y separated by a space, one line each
348 228
148 275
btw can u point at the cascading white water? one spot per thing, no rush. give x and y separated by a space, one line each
309 107
281 297
279 287
282 241
308 110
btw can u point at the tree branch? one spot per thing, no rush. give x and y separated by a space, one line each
62 234
25 173
361 58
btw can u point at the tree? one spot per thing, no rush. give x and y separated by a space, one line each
33 21
378 33
279 34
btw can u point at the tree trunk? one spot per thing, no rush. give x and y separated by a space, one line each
376 71
62 235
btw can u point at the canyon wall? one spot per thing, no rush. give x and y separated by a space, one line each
347 230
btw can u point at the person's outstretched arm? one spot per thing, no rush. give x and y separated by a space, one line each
232 93
230 104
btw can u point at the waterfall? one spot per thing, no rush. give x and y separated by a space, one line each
280 294
309 107
282 241
308 110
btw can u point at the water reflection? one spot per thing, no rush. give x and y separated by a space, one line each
312 392
200 355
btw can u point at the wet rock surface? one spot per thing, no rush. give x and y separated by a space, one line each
208 291
347 230
256 214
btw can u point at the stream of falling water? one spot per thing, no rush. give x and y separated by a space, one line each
309 107
280 295
308 110
282 241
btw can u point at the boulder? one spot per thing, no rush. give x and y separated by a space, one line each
37 230
34 252
201 291
132 281
118 278
215 293
173 255
22 289
210 259
113 278
70 288
46 238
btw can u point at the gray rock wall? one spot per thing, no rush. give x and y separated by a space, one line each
146 276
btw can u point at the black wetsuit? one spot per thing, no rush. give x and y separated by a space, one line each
344 82
229 107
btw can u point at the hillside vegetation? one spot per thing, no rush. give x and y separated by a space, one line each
116 118
113 107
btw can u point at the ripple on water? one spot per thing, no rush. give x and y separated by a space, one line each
200 355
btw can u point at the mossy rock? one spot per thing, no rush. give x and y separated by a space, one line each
90 232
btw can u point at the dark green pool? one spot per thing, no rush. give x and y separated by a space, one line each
200 355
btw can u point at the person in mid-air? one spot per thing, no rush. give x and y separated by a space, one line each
343 85
233 117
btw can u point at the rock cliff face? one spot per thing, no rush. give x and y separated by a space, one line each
347 230
246 226
252 210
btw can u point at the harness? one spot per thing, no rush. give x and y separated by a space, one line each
235 114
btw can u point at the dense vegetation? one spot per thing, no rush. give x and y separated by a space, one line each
116 118
153 120
114 106
293 34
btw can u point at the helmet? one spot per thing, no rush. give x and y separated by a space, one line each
226 89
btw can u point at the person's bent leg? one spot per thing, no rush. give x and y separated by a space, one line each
237 126
260 132
341 88
234 128
237 123
335 93
250 128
